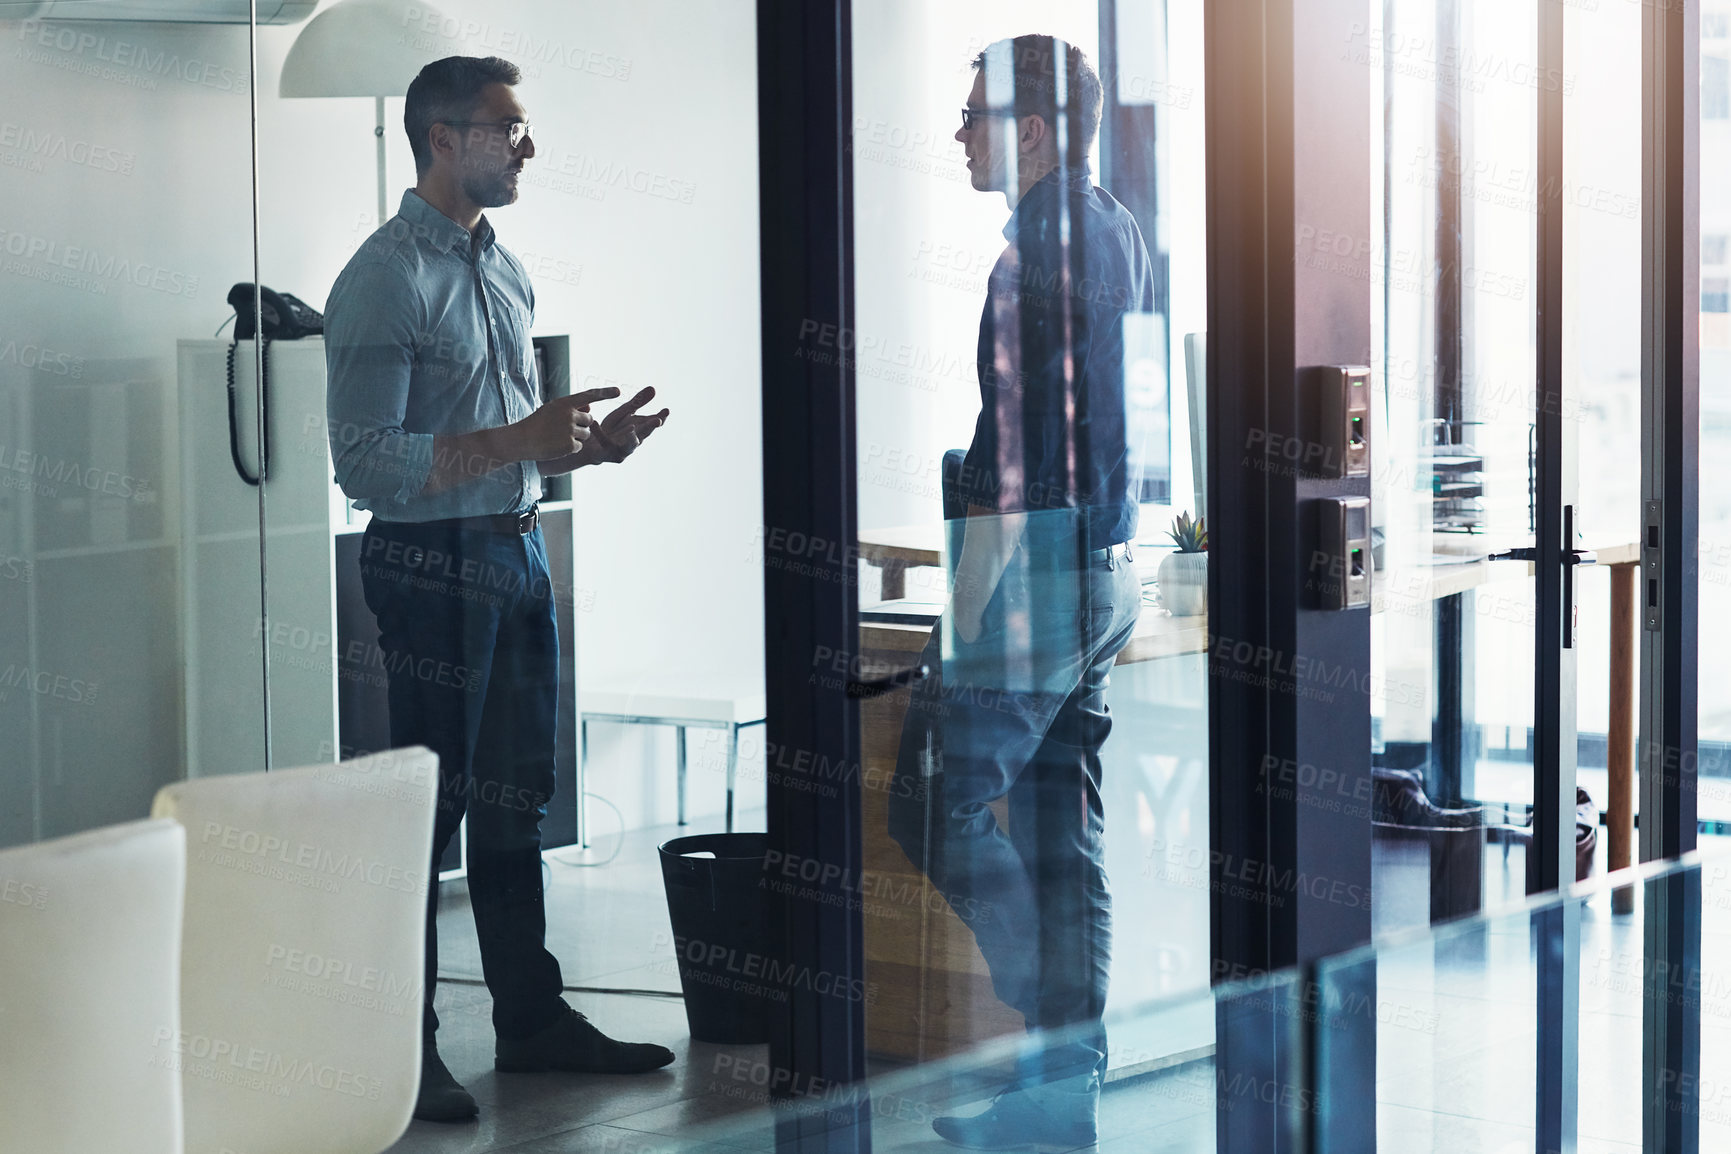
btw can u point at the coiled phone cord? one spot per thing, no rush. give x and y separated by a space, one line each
234 430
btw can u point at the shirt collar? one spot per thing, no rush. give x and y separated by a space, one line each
444 232
1042 198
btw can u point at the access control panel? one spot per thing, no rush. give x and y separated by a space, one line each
1340 562
1334 403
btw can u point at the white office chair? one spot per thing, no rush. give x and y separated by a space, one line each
301 971
90 991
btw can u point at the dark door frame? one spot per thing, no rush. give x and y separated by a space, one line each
1551 855
805 189
1668 583
1290 243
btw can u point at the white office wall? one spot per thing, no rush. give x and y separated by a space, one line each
127 142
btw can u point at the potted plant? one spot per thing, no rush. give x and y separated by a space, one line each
1183 576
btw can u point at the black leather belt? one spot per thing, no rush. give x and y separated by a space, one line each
1105 557
520 524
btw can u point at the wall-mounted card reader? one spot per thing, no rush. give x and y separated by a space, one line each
1340 568
1335 416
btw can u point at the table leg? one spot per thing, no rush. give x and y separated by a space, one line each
1620 735
893 575
582 785
1454 748
681 742
732 768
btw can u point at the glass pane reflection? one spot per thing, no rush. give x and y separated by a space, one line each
1025 444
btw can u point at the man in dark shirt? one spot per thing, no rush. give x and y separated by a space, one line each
1043 595
437 428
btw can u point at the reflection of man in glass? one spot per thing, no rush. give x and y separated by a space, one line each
1043 594
437 428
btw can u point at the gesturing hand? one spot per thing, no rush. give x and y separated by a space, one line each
560 427
620 432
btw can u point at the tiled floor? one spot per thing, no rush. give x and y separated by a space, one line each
1455 1044
609 928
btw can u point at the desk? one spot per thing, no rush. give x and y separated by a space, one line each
933 993
895 550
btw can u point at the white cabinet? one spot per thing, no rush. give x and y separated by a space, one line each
327 679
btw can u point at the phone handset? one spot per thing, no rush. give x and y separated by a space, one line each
281 317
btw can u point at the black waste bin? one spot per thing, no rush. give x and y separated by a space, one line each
719 933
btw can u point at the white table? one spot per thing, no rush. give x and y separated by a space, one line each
688 701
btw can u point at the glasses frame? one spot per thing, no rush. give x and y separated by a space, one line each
510 126
969 115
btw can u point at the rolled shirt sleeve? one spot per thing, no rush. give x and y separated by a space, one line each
371 334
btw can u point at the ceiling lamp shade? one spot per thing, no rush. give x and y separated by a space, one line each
364 48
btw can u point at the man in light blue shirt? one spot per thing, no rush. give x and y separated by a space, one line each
438 429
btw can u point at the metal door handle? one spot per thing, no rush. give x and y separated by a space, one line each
1570 558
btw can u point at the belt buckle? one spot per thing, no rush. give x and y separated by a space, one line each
527 521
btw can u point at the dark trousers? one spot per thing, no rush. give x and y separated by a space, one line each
1021 711
471 648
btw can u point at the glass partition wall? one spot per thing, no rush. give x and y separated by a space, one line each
181 586
631 282
1028 382
126 171
1449 1000
1505 483
1715 345
1441 1012
1010 888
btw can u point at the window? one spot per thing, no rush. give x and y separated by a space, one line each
1714 292
1715 87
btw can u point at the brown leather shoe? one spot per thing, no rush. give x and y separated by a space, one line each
574 1045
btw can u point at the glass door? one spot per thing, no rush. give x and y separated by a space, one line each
1029 244
1514 503
1480 418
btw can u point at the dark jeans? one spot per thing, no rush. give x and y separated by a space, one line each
471 648
1021 711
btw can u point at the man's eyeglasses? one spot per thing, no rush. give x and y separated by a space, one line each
969 115
516 131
